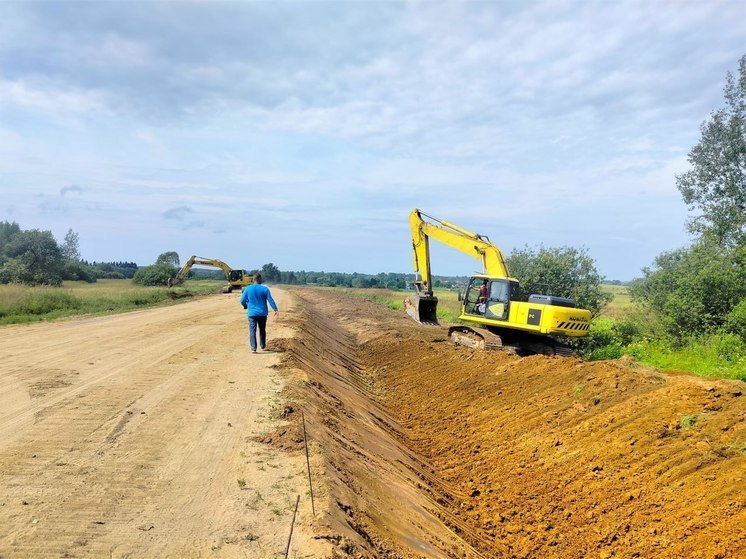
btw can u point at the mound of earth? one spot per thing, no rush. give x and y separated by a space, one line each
437 451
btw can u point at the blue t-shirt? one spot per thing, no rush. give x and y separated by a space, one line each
256 296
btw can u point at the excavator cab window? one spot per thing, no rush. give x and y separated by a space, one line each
235 275
500 293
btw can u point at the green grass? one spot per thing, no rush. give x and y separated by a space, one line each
688 422
621 305
392 299
717 356
19 304
449 307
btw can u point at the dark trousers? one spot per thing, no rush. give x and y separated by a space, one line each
261 322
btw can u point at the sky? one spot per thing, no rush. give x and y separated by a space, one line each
303 133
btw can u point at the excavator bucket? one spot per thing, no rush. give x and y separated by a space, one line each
423 308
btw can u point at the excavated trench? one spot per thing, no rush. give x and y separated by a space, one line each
434 451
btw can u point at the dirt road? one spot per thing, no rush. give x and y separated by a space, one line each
133 436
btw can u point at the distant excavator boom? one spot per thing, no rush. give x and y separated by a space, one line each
237 279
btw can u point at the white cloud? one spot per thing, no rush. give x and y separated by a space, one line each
50 99
311 120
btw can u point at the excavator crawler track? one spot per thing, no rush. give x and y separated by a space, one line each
490 341
465 336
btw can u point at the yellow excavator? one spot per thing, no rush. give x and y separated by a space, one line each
237 279
492 298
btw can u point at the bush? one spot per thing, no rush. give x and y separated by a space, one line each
729 347
735 322
77 271
608 338
696 289
157 274
46 302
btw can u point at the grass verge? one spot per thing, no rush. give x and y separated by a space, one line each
21 304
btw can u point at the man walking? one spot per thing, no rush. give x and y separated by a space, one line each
255 298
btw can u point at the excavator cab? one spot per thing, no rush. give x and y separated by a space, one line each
236 275
489 297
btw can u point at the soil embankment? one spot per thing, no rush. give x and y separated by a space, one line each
437 451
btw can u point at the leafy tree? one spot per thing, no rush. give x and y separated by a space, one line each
157 274
76 270
564 272
170 258
7 231
70 247
695 289
270 272
32 257
716 183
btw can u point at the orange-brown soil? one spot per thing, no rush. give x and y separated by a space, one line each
438 451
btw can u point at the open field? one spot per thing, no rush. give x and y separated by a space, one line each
620 305
155 434
20 303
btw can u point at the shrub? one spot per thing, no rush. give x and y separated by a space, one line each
735 321
729 347
608 338
46 302
77 271
157 274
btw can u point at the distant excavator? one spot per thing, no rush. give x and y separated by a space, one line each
237 279
492 298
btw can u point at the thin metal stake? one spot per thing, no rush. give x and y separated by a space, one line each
308 462
287 549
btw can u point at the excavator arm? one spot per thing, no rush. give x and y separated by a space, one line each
424 304
506 319
475 245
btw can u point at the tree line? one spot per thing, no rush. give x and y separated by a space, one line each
695 296
34 257
701 288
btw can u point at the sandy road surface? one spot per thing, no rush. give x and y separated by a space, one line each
127 435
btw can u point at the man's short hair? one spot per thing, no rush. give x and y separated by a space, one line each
258 278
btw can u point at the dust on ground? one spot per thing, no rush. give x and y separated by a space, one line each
438 451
